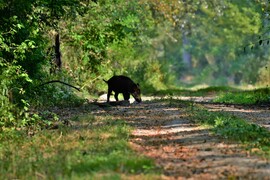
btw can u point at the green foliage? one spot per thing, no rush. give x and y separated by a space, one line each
222 60
21 35
85 151
213 35
17 68
14 100
22 57
258 96
54 94
264 75
234 128
112 39
13 106
143 39
149 76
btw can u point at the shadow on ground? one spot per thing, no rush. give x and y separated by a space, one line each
163 131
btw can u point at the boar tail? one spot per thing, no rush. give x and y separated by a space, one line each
105 81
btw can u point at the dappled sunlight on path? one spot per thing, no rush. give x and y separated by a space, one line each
164 132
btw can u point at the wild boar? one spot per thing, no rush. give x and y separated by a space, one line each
124 85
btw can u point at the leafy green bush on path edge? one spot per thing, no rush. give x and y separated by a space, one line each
13 105
257 96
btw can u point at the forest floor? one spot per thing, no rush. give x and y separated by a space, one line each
183 149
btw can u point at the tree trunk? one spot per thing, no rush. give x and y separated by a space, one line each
58 61
186 54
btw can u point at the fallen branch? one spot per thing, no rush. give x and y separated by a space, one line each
55 81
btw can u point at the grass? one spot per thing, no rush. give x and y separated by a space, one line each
92 148
234 128
194 92
224 94
258 96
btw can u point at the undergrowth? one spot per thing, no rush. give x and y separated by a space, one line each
91 148
234 128
224 94
194 92
259 96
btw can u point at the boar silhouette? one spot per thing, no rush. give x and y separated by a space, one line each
124 85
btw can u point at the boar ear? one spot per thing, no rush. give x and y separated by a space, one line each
138 84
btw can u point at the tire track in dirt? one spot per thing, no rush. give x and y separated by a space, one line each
183 149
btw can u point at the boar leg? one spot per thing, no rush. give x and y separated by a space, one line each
109 94
126 96
116 96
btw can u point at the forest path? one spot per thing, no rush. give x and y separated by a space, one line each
185 150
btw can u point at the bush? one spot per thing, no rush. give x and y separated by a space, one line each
245 97
13 106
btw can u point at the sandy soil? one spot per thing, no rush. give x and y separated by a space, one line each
184 150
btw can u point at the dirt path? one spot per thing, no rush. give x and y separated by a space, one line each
184 150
